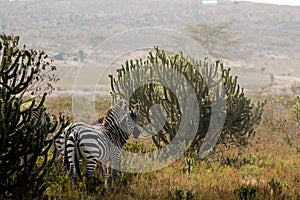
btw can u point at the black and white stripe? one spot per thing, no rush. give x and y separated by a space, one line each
103 144
61 141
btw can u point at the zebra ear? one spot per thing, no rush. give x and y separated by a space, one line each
120 103
123 105
136 109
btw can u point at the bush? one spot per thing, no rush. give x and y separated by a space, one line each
241 114
245 192
295 112
25 142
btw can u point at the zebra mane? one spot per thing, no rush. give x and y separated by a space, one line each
115 114
113 122
103 119
108 120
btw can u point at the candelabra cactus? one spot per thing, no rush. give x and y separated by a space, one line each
295 113
24 130
210 82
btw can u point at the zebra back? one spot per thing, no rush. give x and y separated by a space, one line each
61 141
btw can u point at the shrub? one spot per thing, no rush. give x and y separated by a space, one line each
245 192
295 113
25 127
276 186
241 114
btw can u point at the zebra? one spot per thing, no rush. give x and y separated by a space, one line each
103 144
60 142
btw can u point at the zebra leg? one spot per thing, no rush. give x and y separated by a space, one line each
101 169
115 165
91 165
105 173
71 160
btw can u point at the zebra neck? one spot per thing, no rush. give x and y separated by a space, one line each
117 132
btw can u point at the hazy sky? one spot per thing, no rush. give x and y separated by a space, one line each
279 2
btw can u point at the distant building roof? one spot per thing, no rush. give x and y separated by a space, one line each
210 2
58 56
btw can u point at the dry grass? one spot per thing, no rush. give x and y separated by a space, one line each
270 165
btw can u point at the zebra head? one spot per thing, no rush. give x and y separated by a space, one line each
134 120
127 120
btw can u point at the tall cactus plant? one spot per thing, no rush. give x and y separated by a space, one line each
25 131
295 114
241 114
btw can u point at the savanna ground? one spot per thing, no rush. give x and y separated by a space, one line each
267 169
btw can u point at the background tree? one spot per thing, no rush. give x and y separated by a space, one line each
240 114
26 132
216 38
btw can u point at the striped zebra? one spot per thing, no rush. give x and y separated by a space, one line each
60 142
103 144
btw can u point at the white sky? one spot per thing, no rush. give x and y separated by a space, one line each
279 2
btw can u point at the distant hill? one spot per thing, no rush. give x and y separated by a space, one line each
267 56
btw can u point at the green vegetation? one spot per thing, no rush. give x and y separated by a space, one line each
212 84
25 128
245 192
295 112
267 168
